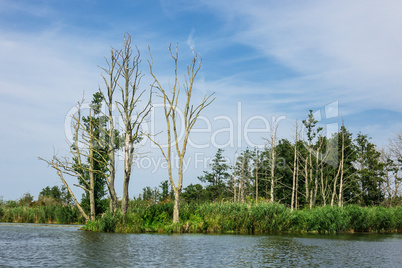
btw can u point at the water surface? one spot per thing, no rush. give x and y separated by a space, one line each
31 245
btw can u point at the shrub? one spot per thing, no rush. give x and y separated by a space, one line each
359 218
108 221
327 220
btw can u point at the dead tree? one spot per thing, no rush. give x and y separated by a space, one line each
272 144
83 146
295 169
191 114
256 166
111 78
132 115
235 178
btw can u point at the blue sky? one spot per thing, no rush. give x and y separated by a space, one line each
277 58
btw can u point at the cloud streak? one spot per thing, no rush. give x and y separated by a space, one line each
349 49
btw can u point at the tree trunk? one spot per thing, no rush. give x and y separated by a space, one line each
127 173
323 188
235 179
112 161
92 193
176 206
273 156
241 182
341 169
234 188
306 179
256 185
294 176
91 170
60 173
311 179
316 176
297 186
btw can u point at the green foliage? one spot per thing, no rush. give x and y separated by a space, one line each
98 124
26 200
164 194
41 214
327 219
194 193
108 221
217 178
370 171
55 195
359 218
234 217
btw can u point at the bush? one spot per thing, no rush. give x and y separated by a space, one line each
359 218
108 221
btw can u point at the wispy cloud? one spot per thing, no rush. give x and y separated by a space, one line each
351 49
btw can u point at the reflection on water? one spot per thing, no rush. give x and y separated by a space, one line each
65 246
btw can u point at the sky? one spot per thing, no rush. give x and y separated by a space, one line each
265 60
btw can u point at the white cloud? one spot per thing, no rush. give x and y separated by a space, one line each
349 50
190 40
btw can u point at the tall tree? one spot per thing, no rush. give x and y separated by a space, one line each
191 114
369 171
392 158
272 144
295 171
242 168
95 125
312 131
133 116
111 77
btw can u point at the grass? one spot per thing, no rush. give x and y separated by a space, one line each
41 214
248 218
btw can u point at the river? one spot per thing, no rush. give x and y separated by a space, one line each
33 245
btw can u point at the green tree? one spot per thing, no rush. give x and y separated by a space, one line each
285 155
217 178
149 194
369 171
98 122
194 193
53 192
26 199
164 193
58 194
242 176
311 181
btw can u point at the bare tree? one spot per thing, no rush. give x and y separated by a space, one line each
340 171
256 166
130 100
295 168
191 114
111 78
272 144
84 146
235 179
392 158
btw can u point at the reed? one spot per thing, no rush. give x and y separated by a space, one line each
41 214
218 217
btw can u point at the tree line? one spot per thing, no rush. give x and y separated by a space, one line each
343 170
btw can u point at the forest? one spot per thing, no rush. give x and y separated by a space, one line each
311 183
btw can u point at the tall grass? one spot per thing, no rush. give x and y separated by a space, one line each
41 214
230 217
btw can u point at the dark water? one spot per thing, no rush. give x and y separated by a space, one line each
27 245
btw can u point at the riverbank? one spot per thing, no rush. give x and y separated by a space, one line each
249 218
